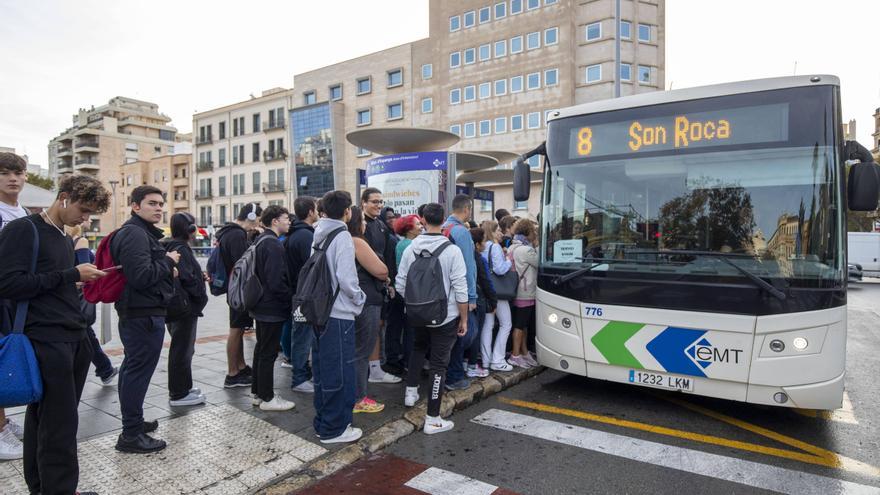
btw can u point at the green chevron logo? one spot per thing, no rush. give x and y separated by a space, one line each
611 343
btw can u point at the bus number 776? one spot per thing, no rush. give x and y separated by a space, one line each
589 311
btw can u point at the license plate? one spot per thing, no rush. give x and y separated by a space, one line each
661 380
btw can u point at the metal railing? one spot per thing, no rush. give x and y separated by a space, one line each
269 156
205 140
204 195
275 124
273 187
86 161
205 166
91 143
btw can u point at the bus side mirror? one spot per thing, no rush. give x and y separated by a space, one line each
521 180
863 186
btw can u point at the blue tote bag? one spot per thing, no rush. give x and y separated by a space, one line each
19 370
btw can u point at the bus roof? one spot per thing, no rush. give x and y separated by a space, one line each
686 94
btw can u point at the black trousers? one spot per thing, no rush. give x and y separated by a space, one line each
440 340
142 338
50 462
265 352
180 354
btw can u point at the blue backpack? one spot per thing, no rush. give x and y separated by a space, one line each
217 272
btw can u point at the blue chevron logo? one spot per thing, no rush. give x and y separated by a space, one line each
673 349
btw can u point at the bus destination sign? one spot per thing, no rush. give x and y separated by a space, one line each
733 126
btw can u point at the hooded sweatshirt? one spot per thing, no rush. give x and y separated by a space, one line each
451 262
343 272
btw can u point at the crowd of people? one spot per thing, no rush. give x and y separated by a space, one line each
430 292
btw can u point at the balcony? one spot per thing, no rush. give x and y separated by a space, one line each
271 156
204 195
64 168
181 203
273 188
274 124
63 151
204 140
180 181
86 164
205 166
87 146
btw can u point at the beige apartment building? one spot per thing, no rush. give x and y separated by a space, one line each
489 71
104 139
241 155
169 172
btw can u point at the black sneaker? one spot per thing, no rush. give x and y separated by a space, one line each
151 426
247 370
141 444
239 380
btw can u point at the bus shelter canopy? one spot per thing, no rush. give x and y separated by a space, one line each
394 140
494 177
467 161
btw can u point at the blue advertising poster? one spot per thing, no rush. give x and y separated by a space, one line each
408 180
407 162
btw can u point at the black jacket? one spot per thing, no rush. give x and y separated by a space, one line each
298 246
485 290
383 242
233 241
271 269
190 275
148 272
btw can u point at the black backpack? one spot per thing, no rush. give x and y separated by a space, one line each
314 287
425 296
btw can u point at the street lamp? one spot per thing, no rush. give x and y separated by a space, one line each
113 189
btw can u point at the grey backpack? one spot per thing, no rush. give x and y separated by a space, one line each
245 289
426 297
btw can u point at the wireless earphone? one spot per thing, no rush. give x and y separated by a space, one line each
64 204
253 213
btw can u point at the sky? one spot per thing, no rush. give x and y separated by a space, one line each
193 55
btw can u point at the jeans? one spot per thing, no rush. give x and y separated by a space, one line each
456 371
285 338
103 366
50 462
366 333
473 351
180 354
440 340
303 335
142 338
333 367
494 354
265 352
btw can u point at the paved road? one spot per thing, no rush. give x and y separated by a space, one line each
563 434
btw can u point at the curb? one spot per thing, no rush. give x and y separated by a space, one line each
395 429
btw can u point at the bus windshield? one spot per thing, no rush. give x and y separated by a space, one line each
766 198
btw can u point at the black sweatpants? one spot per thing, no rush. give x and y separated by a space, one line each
180 354
142 339
440 340
50 461
265 352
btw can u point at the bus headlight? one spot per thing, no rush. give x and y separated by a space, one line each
800 343
552 318
777 345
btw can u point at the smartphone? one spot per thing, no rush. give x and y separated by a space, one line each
112 268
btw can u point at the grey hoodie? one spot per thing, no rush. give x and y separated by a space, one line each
454 271
340 259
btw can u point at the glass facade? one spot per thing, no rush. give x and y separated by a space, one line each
312 149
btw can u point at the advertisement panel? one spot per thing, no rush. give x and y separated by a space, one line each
408 180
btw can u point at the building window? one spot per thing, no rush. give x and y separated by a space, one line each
427 71
594 73
454 23
336 92
395 78
362 152
500 10
485 90
235 155
309 98
485 15
427 105
364 85
549 2
516 84
221 130
221 157
470 93
533 41
455 96
455 129
534 161
485 127
521 205
255 155
551 36
551 77
256 122
501 87
469 19
516 7
644 74
645 33
516 44
255 180
594 31
625 30
533 4
501 47
485 52
454 60
626 72
470 129
364 117
395 111
533 81
221 186
500 125
516 123
534 120
470 56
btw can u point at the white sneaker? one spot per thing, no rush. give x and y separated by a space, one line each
518 361
277 404
10 447
477 371
16 428
411 396
256 401
502 366
285 363
306 387
385 378
437 425
190 400
196 390
530 359
349 435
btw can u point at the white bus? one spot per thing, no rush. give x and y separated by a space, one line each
695 240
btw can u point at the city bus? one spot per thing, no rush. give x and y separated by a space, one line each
695 240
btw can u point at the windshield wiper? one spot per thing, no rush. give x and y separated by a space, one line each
561 279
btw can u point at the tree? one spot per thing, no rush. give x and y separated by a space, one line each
39 181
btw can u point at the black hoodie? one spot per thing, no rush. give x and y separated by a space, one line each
298 245
190 275
233 241
148 272
271 269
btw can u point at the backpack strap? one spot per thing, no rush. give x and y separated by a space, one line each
22 307
329 239
440 249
